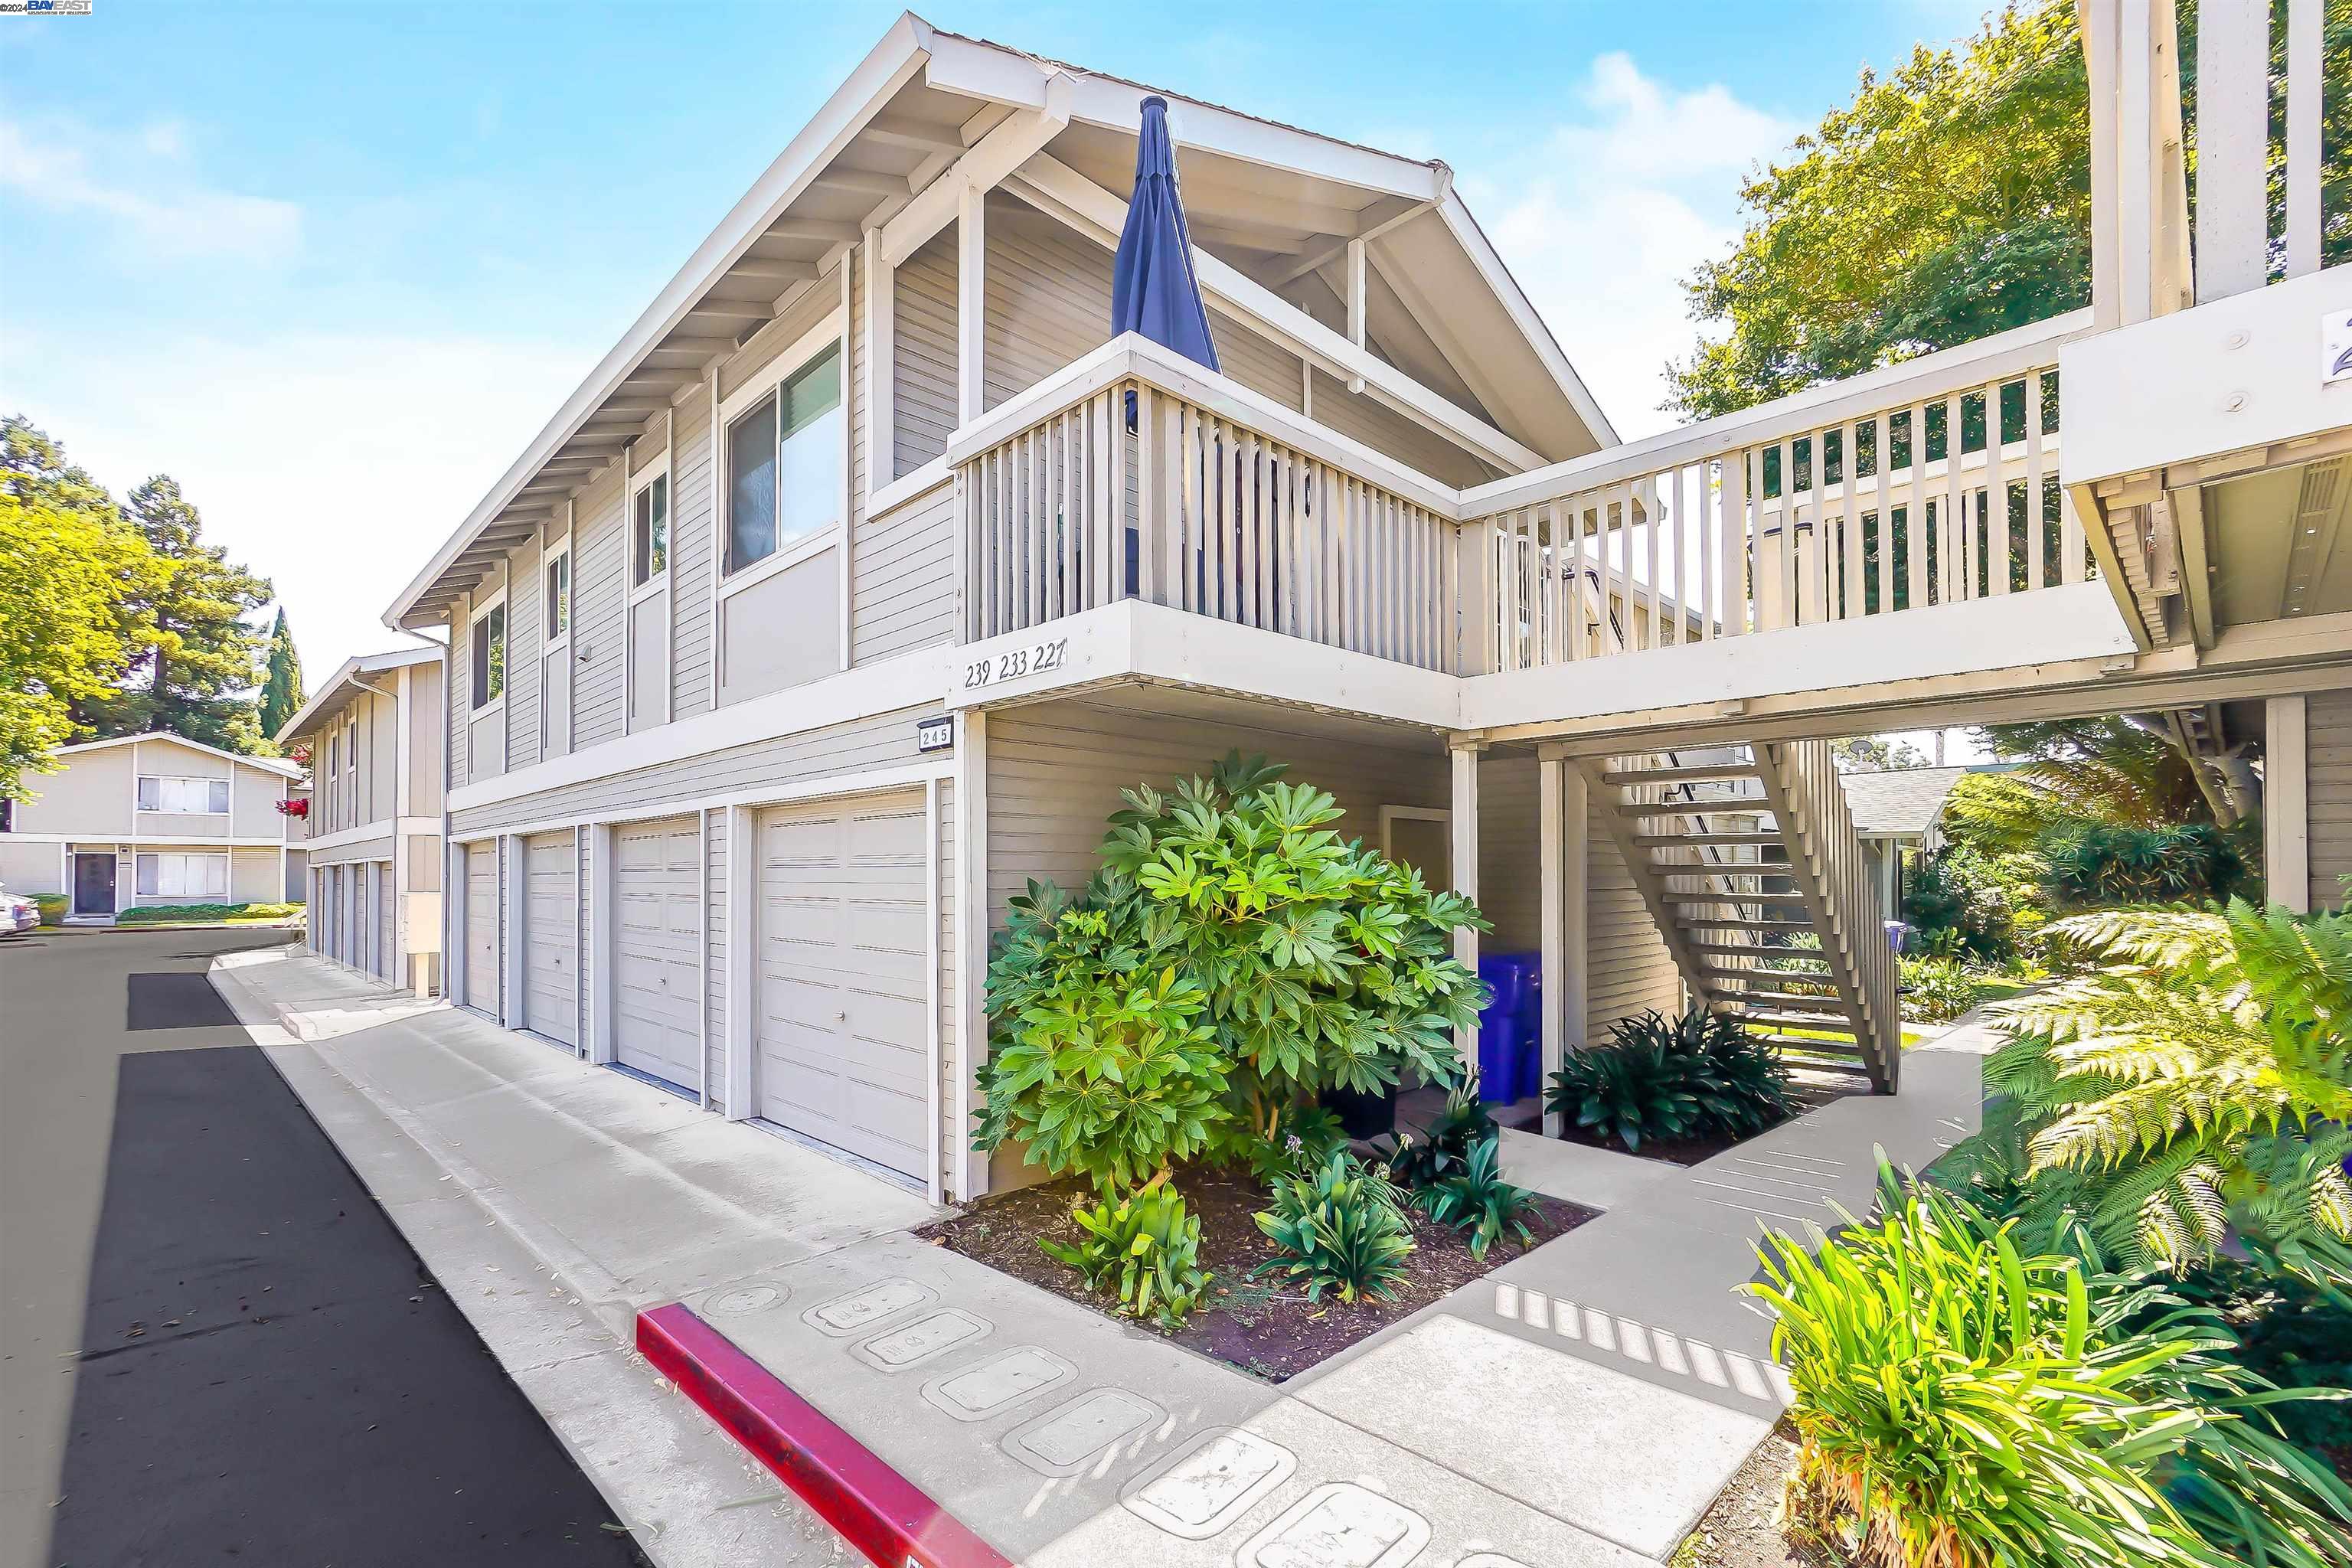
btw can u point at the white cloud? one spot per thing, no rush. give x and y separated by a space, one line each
1617 207
333 464
141 182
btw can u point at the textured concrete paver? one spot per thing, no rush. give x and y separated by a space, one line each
1597 1178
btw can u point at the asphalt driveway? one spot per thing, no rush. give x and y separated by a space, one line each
213 1346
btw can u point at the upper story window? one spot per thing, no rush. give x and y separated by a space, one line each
649 533
186 796
351 744
489 655
334 756
785 457
559 595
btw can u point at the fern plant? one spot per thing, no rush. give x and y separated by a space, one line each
1340 1229
2201 1079
1145 1249
1477 1199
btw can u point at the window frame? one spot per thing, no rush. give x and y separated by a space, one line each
139 793
143 858
830 332
655 472
495 604
553 560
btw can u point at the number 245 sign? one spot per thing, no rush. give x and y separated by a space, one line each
1034 659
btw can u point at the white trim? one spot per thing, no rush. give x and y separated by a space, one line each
881 368
742 952
934 475
153 840
717 540
669 608
971 302
833 328
832 331
913 679
849 392
702 961
1391 813
1474 242
783 558
474 613
640 482
934 1055
973 917
331 694
832 787
599 1044
1011 143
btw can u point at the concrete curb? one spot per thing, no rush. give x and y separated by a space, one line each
880 1512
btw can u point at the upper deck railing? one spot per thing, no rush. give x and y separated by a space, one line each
1136 474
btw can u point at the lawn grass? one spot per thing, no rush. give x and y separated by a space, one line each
209 914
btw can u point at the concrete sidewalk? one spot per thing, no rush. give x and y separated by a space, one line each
559 1199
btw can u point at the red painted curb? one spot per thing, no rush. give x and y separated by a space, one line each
875 1509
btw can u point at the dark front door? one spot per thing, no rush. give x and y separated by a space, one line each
94 884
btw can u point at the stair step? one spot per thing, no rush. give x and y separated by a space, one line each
1719 922
1727 896
1733 950
1661 840
1682 775
1803 1046
1744 806
1729 973
1785 998
1833 1023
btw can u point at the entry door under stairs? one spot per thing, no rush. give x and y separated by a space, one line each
1749 866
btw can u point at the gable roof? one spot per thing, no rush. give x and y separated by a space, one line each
1898 801
883 143
345 682
266 765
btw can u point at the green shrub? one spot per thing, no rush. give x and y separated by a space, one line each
1477 1199
1442 1148
53 908
1303 963
1690 1076
1961 905
2109 863
1936 990
1304 1136
172 914
1342 1229
1145 1249
1961 1402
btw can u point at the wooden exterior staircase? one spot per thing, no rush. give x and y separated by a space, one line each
1741 853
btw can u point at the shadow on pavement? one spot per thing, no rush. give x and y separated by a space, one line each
269 1374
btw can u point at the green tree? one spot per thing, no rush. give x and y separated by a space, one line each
1949 200
281 690
71 570
197 673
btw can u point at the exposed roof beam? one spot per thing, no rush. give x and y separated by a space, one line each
1096 212
833 231
866 182
993 157
730 311
905 130
773 272
1377 221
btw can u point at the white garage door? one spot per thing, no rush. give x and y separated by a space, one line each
386 966
844 1049
342 875
551 919
482 926
656 888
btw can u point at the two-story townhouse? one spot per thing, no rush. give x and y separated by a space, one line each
374 735
155 819
860 577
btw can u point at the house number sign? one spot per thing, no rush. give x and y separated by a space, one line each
1034 659
935 734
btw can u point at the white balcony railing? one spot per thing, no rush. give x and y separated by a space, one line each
1134 473
1137 474
1868 497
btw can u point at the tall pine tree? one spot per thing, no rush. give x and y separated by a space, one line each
281 689
199 668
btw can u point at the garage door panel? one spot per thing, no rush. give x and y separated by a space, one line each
844 949
482 927
551 936
657 973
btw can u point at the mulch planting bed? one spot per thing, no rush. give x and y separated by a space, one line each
1743 1529
1263 1326
1669 1151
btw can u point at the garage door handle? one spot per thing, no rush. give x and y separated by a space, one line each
841 1015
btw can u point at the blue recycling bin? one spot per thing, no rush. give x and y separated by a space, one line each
1510 1060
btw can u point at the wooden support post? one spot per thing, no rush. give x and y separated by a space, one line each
1559 831
2286 801
972 301
1465 856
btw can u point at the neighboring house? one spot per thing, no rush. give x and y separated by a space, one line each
374 732
1897 812
155 819
860 576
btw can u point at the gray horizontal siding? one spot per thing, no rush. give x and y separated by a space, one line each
878 740
691 548
1048 299
357 850
2328 758
599 589
923 335
903 593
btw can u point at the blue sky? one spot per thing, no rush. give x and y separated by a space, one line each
332 264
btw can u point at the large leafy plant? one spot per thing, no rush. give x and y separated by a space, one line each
1341 1228
1145 1249
1961 1402
1442 1149
2201 1080
1658 1077
1232 958
1103 1061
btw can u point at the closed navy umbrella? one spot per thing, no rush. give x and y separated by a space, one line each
1153 288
